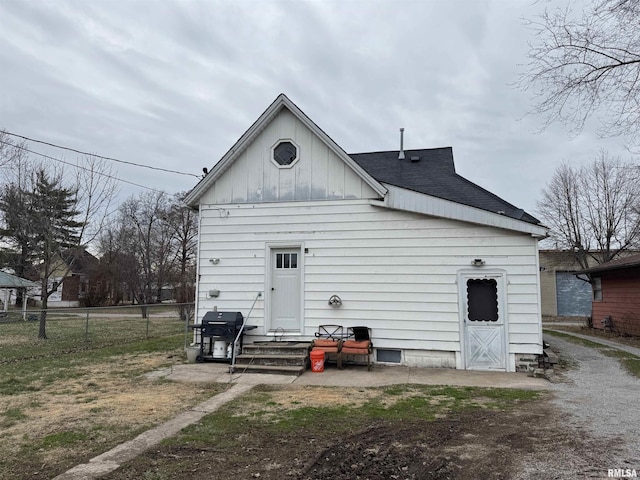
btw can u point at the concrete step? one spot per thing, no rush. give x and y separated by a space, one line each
272 359
551 356
276 348
288 358
273 369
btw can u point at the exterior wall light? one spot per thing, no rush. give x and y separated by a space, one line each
477 262
335 301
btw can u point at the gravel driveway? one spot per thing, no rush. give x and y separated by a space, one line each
600 401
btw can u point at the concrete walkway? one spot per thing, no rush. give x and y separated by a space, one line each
608 343
352 376
111 460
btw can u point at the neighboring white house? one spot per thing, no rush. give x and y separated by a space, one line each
444 273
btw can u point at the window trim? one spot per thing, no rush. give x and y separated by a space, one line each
273 152
596 285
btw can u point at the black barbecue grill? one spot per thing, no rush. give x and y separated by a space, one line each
218 332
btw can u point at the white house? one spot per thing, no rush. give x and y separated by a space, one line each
444 272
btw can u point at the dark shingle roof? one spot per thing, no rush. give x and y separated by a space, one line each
435 174
79 260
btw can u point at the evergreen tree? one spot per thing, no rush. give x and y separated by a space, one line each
16 231
40 221
56 229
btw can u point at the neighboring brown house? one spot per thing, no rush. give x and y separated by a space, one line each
616 295
73 272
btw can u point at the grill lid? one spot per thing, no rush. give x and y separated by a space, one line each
226 318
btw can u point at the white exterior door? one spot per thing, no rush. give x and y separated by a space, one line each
285 300
485 339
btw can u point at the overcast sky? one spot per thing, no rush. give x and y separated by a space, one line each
175 83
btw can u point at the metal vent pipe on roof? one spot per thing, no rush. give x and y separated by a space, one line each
401 154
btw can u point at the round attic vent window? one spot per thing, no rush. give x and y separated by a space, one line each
285 153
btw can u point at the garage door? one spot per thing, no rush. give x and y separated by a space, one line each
573 295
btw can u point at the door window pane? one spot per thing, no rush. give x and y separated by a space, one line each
286 261
482 300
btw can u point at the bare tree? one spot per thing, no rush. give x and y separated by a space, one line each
16 238
593 211
11 151
111 287
96 188
183 222
588 63
151 246
145 238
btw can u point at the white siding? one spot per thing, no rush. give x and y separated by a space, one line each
395 271
319 174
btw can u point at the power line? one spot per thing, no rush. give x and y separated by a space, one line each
101 156
80 167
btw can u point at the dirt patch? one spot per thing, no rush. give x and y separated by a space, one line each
446 448
479 443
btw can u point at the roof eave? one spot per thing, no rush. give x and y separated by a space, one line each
608 268
399 198
12 281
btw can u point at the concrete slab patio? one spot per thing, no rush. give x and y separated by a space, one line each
354 376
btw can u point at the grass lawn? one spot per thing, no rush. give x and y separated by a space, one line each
66 400
67 332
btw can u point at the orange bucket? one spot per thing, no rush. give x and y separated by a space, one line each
317 360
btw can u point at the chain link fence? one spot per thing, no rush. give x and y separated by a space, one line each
76 329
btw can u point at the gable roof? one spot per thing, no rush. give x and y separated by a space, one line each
432 172
432 175
282 101
79 260
632 261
